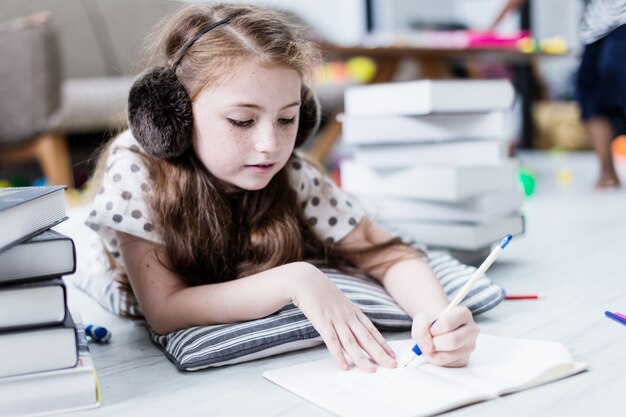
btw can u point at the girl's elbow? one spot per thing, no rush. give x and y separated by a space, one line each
159 324
160 319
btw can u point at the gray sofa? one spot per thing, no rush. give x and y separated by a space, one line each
100 43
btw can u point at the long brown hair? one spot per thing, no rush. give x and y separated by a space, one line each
210 236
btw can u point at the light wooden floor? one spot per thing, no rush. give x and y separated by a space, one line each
574 254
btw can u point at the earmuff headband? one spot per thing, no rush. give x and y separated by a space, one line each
198 35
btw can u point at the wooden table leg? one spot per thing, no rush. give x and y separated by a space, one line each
435 68
52 153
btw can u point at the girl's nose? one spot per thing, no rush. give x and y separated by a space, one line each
267 142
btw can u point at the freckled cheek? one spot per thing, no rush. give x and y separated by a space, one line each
235 140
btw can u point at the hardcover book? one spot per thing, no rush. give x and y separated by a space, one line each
436 182
368 130
460 236
44 255
481 209
462 153
428 96
27 211
61 390
29 304
39 349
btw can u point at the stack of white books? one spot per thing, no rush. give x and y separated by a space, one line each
429 159
45 364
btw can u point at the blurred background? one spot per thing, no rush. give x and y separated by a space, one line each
65 74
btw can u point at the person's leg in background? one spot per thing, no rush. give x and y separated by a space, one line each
601 86
600 132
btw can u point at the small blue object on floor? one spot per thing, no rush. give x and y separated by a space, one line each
98 334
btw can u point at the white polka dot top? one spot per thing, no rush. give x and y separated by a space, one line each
120 203
326 207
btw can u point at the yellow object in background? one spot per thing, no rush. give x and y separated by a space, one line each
553 45
361 69
564 177
527 45
564 174
358 70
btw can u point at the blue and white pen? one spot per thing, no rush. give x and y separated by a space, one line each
416 351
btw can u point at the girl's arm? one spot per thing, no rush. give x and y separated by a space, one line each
169 304
408 278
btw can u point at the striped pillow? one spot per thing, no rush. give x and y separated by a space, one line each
288 329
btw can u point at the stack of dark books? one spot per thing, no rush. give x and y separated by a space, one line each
45 365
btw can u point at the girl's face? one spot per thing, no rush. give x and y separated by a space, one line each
245 127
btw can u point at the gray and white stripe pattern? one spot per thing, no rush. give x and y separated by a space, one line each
600 18
201 347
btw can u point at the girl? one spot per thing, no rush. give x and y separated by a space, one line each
213 218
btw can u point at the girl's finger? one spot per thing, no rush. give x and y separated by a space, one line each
374 349
353 349
373 332
451 321
331 340
462 337
420 332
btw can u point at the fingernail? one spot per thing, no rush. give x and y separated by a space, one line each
345 366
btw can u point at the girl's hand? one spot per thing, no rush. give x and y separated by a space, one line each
450 341
341 324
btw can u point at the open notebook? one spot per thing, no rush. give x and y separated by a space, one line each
499 366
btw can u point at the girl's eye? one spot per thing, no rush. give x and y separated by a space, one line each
241 123
287 121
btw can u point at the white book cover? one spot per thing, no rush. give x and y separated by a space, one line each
459 236
480 152
482 209
32 304
62 390
425 128
38 349
498 366
437 182
428 96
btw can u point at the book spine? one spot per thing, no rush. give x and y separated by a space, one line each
82 344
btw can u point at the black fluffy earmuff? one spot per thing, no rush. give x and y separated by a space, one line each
309 115
160 112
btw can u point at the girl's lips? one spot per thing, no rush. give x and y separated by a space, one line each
260 168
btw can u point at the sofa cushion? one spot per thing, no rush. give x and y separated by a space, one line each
30 77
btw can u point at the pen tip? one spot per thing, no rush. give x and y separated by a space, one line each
505 241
